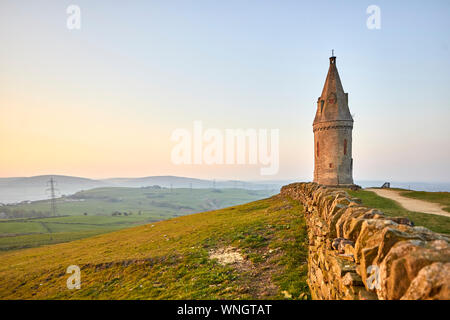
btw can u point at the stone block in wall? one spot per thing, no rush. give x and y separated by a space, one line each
352 279
390 236
403 264
352 227
352 293
319 276
369 235
367 295
367 257
333 221
324 204
377 239
325 291
337 265
346 217
341 245
336 206
432 282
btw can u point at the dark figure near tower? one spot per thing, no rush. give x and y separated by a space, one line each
333 125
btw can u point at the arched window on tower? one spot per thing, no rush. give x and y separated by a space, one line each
321 106
317 149
345 146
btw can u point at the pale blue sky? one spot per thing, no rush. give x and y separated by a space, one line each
149 67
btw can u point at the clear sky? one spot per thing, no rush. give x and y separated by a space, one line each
104 100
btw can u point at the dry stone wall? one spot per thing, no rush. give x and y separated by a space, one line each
356 252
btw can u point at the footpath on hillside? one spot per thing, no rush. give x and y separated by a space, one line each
411 204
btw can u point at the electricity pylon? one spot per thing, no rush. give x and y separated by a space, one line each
51 188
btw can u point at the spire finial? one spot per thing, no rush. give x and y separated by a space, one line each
332 58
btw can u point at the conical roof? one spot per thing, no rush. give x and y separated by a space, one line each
333 103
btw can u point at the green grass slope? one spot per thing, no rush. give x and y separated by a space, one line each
171 259
433 222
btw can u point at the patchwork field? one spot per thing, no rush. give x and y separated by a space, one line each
104 210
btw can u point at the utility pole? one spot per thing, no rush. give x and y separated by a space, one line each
51 183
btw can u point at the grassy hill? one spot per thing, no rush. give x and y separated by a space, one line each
101 210
180 258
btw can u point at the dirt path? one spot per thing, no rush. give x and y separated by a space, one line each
411 204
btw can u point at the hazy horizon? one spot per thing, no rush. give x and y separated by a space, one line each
262 180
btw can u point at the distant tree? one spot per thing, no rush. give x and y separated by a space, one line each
85 213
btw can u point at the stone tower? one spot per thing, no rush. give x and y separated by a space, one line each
333 125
